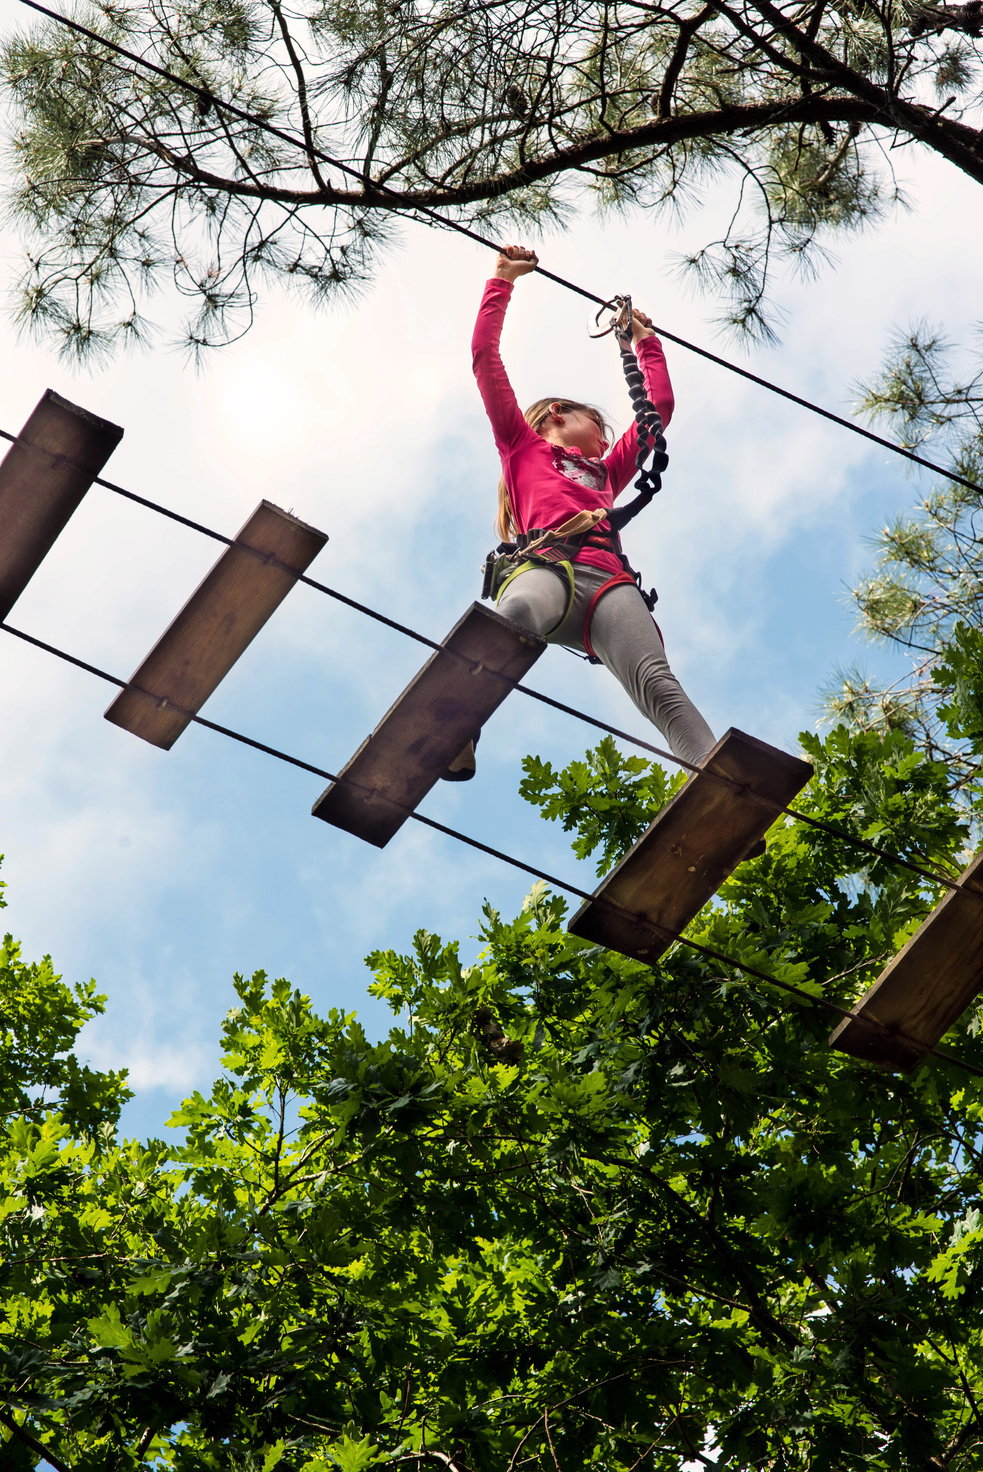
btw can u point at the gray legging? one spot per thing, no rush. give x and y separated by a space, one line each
625 639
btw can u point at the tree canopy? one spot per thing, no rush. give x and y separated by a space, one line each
508 110
924 595
573 1212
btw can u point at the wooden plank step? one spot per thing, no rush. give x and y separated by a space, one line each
440 711
694 843
928 984
221 618
43 477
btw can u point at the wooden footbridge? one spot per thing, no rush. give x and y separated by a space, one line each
711 825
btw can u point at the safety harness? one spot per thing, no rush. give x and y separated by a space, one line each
557 547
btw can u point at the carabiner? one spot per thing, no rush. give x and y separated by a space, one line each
620 323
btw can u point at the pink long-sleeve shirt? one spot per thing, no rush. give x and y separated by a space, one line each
548 483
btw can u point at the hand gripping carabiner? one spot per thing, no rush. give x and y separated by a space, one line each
621 319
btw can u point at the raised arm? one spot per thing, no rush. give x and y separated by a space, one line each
652 361
501 406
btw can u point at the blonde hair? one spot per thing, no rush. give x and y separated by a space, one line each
536 416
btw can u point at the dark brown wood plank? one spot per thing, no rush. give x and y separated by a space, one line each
440 711
694 843
43 477
928 984
219 621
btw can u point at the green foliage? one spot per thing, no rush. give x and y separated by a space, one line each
39 1020
608 799
123 180
958 673
925 593
679 1228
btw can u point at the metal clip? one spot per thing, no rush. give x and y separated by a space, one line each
621 320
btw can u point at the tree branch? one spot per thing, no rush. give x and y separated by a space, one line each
958 143
687 30
37 1447
931 20
305 115
661 132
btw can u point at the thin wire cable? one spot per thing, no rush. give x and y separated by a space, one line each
874 850
709 951
283 756
933 876
445 222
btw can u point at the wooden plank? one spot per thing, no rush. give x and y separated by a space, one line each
221 618
697 839
43 477
928 984
440 711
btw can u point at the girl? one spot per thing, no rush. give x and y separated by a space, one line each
553 466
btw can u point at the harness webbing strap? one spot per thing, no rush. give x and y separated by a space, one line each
563 570
557 547
581 524
612 582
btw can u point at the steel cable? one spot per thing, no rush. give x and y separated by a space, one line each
708 951
445 222
873 850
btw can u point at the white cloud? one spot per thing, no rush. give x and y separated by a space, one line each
162 873
151 1063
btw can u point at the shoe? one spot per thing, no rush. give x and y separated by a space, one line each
464 765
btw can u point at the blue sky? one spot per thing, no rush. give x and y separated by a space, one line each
161 874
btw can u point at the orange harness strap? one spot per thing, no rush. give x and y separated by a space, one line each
612 582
